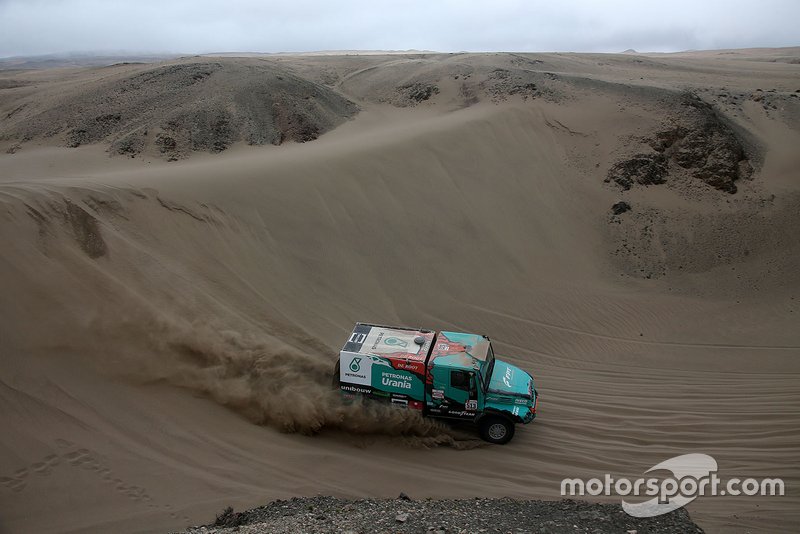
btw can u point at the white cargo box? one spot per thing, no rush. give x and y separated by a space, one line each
369 343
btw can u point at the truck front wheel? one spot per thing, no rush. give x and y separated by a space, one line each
496 429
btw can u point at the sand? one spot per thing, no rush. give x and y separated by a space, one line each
167 327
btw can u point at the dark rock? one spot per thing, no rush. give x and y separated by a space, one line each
620 207
167 146
109 118
644 169
419 92
525 89
667 138
228 518
77 137
129 145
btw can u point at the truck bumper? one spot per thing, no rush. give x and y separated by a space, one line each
531 415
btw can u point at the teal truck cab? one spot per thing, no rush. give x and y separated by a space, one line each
450 375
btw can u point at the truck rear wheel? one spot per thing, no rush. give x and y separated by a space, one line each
335 382
496 429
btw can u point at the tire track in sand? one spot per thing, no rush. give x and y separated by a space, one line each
607 337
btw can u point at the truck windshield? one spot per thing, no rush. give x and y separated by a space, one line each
489 368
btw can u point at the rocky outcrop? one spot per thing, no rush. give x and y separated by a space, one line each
644 169
708 147
700 143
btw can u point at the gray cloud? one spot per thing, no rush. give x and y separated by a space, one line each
30 27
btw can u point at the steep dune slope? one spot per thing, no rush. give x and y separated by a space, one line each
152 314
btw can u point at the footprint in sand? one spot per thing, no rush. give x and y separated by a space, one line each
84 459
136 493
78 457
41 468
45 467
17 482
13 484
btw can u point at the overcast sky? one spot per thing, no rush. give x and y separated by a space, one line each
29 27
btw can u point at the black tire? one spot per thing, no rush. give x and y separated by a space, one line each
335 382
496 429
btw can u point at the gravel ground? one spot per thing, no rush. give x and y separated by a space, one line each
404 515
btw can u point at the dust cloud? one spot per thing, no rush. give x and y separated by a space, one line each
269 381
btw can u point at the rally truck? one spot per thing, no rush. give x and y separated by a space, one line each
448 375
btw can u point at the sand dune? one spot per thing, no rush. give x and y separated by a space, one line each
168 326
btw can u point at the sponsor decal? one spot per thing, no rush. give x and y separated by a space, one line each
377 341
355 368
471 405
358 337
417 367
396 342
395 380
508 376
437 393
515 411
355 389
460 413
389 341
444 347
356 376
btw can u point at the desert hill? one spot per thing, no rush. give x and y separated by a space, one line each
175 108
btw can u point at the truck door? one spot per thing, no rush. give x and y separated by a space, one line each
463 394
